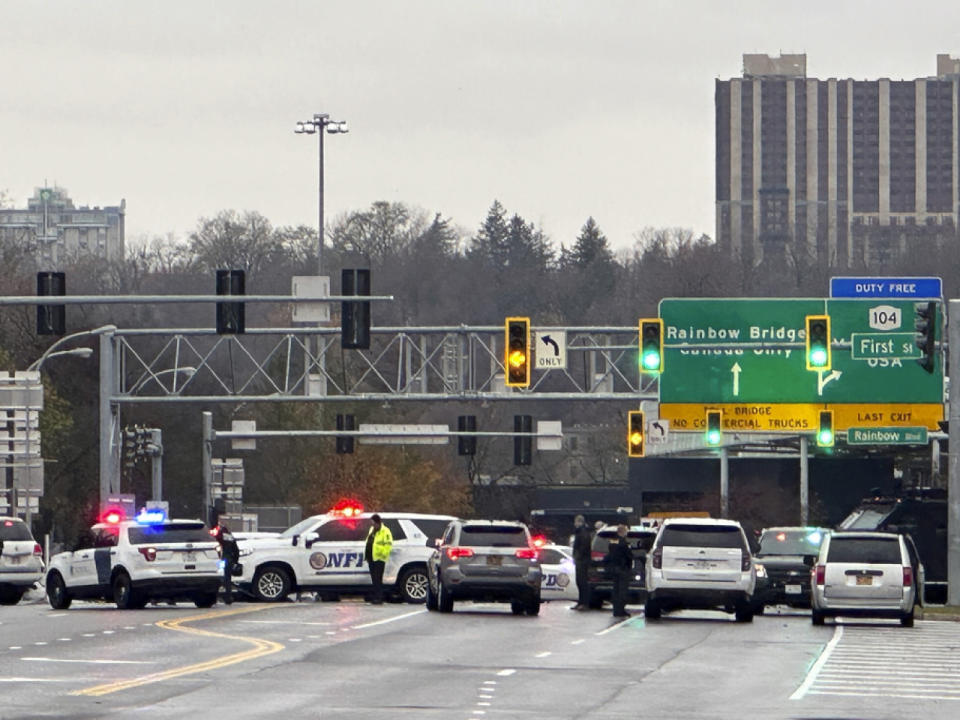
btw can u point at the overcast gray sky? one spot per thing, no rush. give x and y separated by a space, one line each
559 109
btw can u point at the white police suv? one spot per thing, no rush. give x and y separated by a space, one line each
324 554
21 563
134 561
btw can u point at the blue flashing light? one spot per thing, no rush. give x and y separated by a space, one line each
150 517
815 537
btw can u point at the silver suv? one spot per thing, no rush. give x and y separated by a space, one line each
486 561
21 563
701 564
866 574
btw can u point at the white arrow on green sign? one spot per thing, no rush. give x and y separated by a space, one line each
887 436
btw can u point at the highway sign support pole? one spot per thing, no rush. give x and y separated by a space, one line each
804 480
724 483
953 483
207 462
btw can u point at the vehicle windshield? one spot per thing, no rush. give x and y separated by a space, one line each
493 536
300 528
169 533
790 542
14 530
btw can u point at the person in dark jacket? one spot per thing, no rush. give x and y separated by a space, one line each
619 562
582 539
230 554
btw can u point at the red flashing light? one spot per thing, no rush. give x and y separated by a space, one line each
347 508
112 516
526 553
539 541
8 523
781 536
454 553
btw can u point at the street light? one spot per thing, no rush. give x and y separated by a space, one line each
320 122
83 352
187 370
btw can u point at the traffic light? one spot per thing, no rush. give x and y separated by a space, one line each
230 320
355 314
635 437
51 319
925 332
651 345
825 429
818 342
517 355
467 444
714 432
523 440
345 442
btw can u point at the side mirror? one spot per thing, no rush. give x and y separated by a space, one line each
310 538
295 540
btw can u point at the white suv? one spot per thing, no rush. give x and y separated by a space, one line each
866 574
700 563
324 554
21 563
133 562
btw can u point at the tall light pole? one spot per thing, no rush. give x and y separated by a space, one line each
321 122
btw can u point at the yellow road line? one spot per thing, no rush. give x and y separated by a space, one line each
259 649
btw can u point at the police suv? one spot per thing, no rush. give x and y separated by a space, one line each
134 561
324 554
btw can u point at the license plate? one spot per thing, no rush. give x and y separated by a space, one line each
864 580
494 560
15 559
792 589
189 557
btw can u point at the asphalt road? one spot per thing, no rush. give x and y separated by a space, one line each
357 661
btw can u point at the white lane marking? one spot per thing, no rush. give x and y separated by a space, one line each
53 615
388 620
854 693
545 653
483 704
284 622
577 642
129 627
821 661
32 679
40 642
507 672
331 632
479 712
148 624
490 682
294 640
108 632
613 627
89 635
15 647
89 662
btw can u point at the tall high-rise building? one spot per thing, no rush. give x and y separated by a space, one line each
840 172
57 231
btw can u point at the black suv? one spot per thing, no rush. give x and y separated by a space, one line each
601 583
785 554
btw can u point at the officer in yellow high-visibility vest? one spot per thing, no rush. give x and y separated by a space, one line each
379 544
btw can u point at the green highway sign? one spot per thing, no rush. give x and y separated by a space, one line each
752 351
887 436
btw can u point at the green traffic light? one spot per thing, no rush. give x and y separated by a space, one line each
825 438
818 357
651 360
713 437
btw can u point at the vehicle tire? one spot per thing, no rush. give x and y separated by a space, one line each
124 595
57 594
271 584
413 585
744 615
10 595
444 600
207 600
651 611
816 617
517 607
907 619
431 598
759 609
533 607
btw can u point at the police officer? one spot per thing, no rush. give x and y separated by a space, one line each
230 554
619 562
376 553
581 561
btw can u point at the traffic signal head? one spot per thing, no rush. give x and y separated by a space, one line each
517 354
925 330
818 342
825 429
651 345
230 315
635 437
51 319
713 433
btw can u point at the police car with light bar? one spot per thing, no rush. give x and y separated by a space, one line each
324 554
132 562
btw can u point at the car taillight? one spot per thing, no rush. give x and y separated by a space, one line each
658 558
527 553
149 553
821 574
744 560
37 550
597 555
458 552
907 576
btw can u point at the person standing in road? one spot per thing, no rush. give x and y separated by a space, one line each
230 555
379 544
582 540
619 562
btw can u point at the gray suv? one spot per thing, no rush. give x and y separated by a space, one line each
485 561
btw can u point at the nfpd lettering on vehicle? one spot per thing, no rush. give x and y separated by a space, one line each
321 562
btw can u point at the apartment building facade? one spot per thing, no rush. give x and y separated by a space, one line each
57 231
838 172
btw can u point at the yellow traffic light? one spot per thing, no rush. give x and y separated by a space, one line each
635 432
517 353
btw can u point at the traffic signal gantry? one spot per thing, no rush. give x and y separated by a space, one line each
517 351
